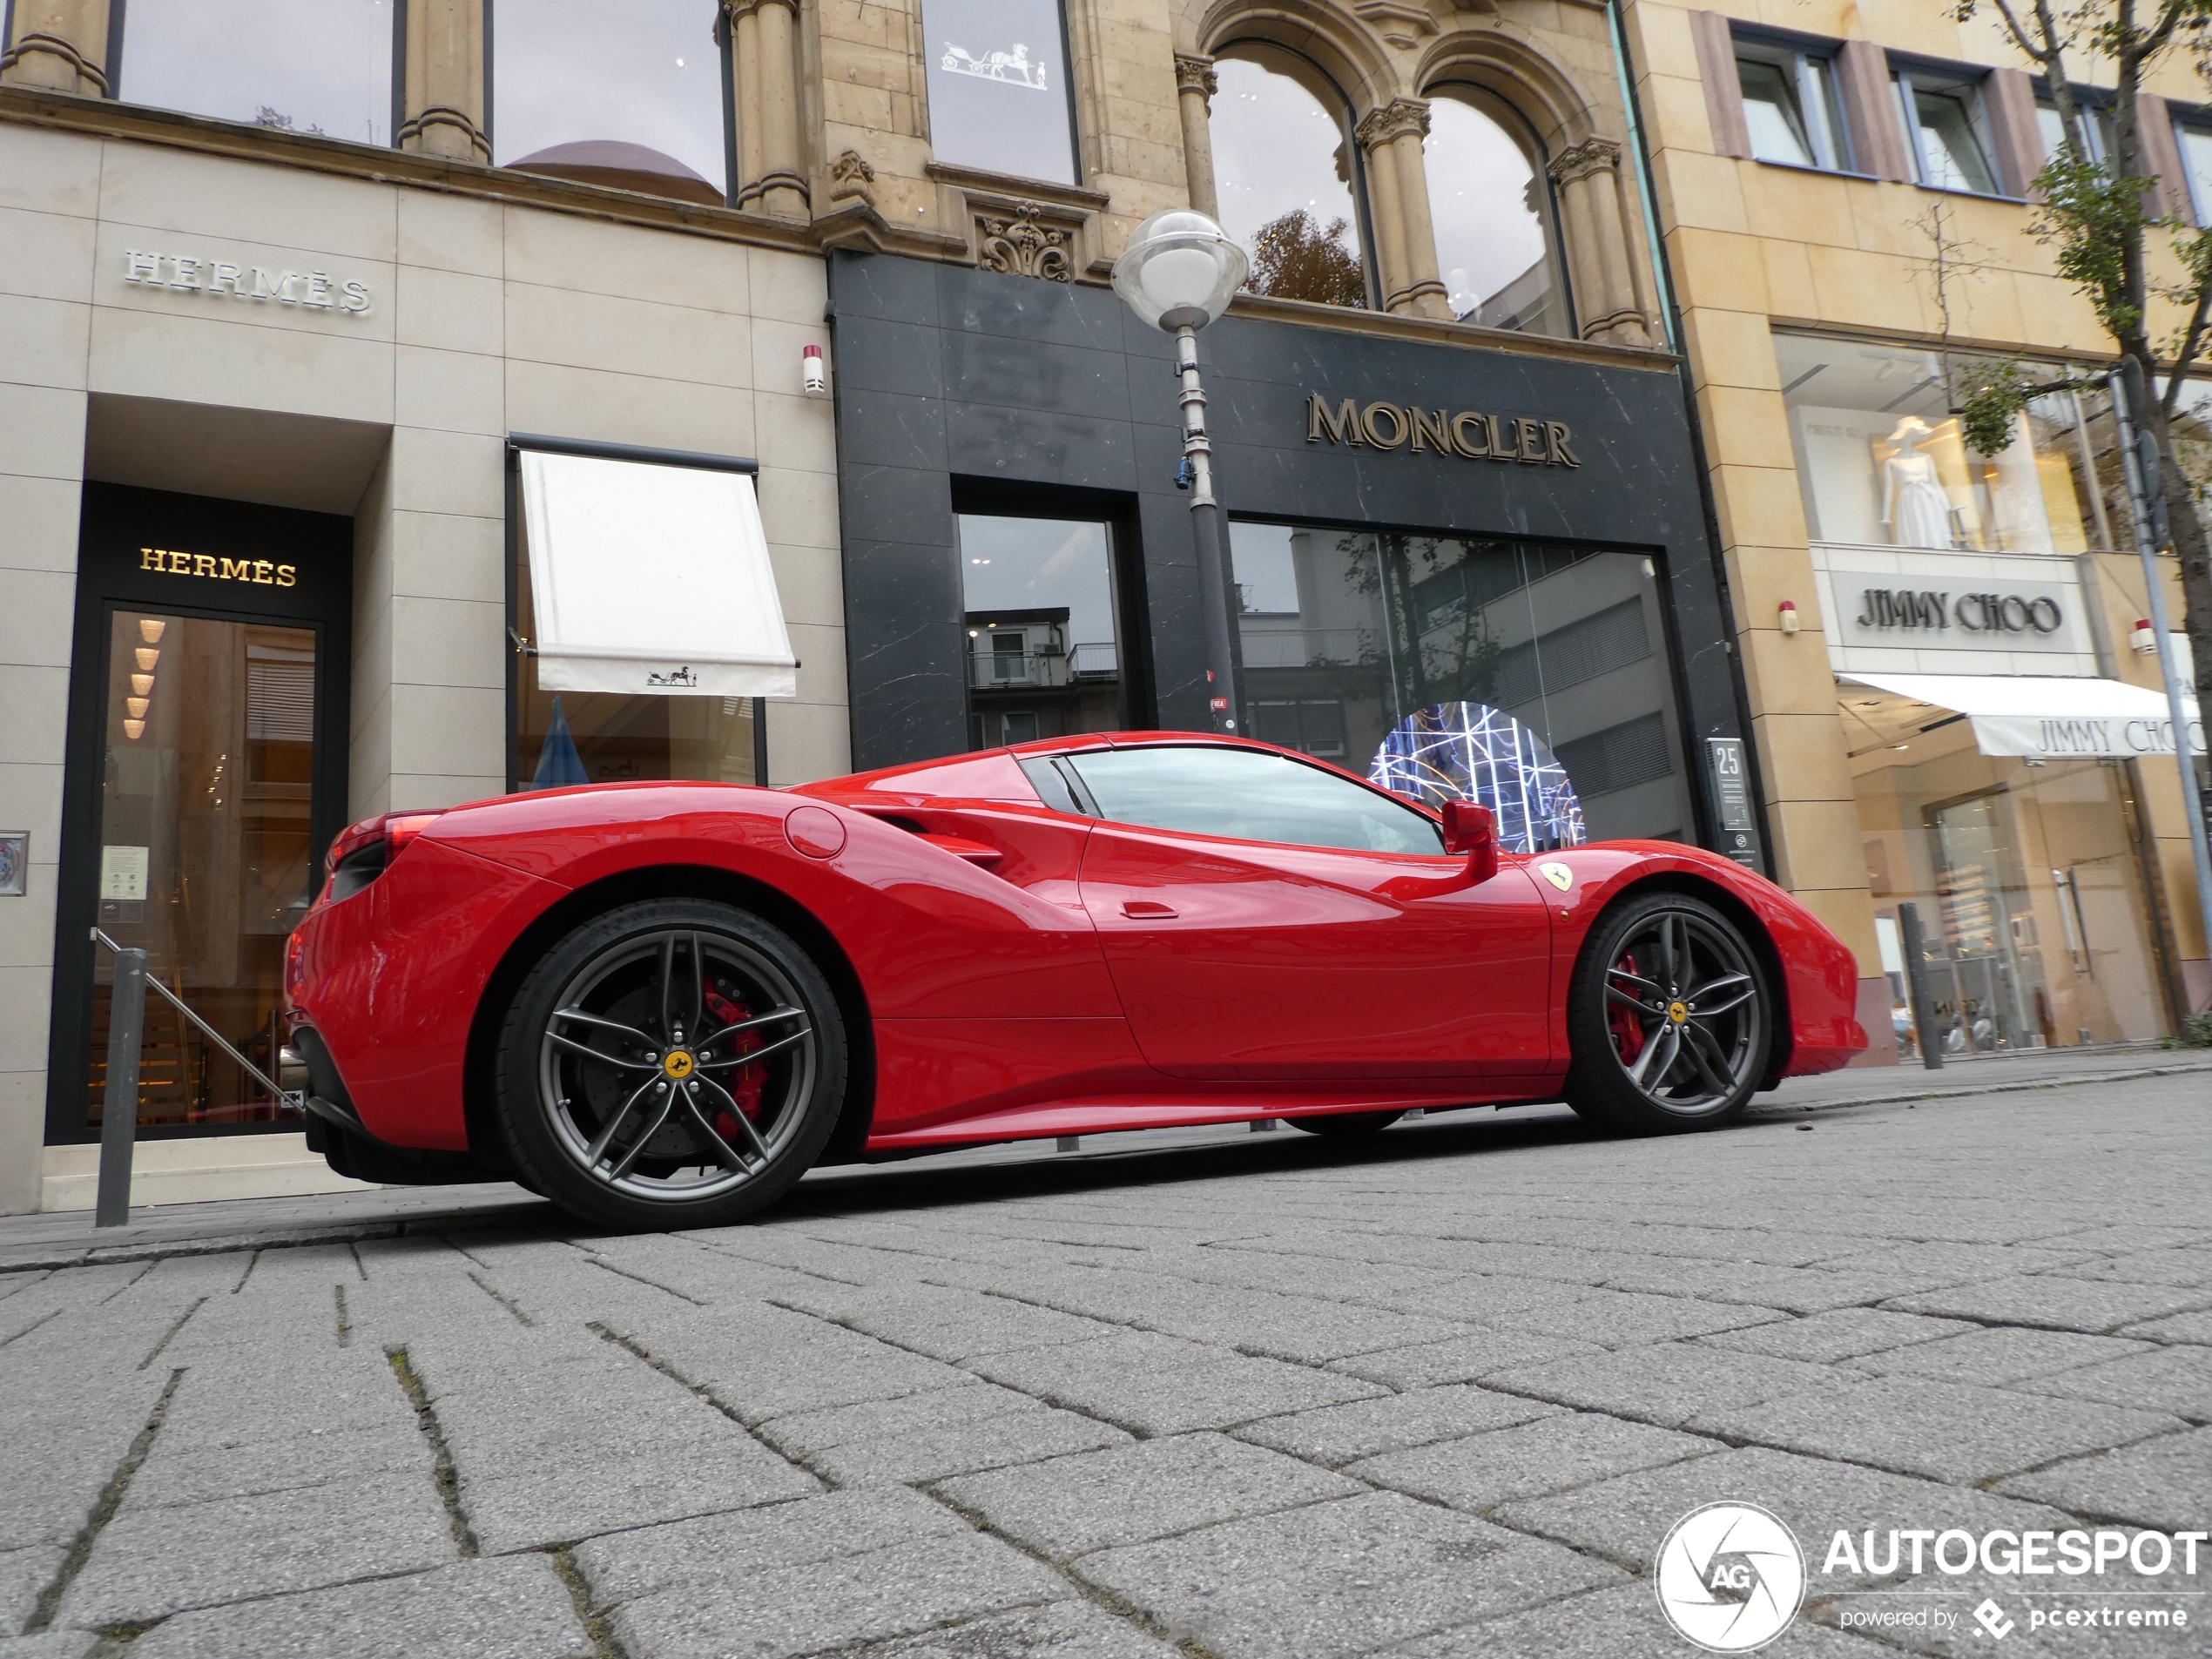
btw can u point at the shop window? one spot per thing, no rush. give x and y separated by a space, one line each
1790 106
1285 172
998 80
2094 120
1491 202
1534 676
1882 460
2036 923
1043 652
320 66
623 566
644 107
1944 130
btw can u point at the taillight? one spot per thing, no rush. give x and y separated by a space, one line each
361 854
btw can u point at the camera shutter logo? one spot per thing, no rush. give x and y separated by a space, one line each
1731 1577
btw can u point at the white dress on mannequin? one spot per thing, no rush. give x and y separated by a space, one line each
1914 505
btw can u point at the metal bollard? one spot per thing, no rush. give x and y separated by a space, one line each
120 1109
1915 986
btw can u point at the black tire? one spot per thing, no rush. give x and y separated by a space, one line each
624 1090
1646 1058
1345 1126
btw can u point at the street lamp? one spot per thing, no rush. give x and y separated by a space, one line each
1179 274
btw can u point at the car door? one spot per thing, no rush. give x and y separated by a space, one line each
1266 918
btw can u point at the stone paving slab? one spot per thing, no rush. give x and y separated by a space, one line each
1606 1624
2166 1379
514 1607
1482 1471
262 1545
1838 1333
1336 1435
2158 1483
2056 1303
1342 1577
1066 1506
1667 1383
1058 1630
2000 1356
1947 1431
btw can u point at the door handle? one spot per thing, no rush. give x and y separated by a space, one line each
1145 909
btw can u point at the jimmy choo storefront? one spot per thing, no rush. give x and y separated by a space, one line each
328 497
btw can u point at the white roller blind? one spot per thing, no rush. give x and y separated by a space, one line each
651 579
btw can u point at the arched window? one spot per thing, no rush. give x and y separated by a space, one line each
642 107
1490 201
1284 165
322 66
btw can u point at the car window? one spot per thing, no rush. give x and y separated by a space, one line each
1250 796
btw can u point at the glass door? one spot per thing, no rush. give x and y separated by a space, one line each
204 849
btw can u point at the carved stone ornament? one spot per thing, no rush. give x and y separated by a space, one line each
1195 74
33 43
1394 120
851 176
1019 246
1592 155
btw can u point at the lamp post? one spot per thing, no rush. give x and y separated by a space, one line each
1179 274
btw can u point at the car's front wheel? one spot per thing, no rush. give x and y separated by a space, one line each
1668 1018
670 1063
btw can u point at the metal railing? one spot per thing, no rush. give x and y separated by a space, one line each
126 1027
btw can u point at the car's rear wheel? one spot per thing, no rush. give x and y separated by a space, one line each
672 1063
1668 1018
1344 1126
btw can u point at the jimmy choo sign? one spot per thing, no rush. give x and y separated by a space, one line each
309 290
1963 613
1469 433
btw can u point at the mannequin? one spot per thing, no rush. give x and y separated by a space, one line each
1914 504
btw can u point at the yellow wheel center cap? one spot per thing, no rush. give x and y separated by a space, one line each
1677 1012
677 1063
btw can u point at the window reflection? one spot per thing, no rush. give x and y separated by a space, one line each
638 106
1554 659
319 66
1490 199
1943 127
1043 658
998 87
1283 169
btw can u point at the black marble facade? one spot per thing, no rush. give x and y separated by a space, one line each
957 390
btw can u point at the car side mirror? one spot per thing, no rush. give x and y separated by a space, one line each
1471 829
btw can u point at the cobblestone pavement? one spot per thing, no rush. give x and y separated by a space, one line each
1443 1393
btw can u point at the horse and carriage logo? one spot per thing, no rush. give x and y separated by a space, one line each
1012 68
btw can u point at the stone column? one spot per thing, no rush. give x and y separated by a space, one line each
1398 195
770 160
445 80
1195 85
1587 177
60 45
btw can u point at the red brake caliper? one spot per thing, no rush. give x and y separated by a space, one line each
1628 1031
745 1085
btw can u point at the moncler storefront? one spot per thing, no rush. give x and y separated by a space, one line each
327 496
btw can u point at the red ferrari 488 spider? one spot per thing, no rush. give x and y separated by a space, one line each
659 1004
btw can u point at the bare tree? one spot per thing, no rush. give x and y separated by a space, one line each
2100 216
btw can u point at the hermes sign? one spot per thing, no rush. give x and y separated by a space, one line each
309 290
208 567
1468 433
1872 608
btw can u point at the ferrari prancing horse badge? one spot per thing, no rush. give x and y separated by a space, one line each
1558 875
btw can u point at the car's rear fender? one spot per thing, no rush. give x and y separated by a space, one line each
713 882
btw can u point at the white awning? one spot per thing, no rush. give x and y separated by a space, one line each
2047 717
651 579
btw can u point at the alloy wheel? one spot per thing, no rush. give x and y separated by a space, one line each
676 1064
1683 1012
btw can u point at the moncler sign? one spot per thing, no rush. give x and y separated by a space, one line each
1470 434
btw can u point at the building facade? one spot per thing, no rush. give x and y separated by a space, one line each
1960 724
372 374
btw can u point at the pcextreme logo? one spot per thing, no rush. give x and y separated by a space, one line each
1731 1577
